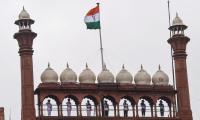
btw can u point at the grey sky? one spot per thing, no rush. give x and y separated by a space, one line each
134 32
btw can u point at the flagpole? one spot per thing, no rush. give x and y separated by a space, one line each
169 17
102 60
101 46
172 60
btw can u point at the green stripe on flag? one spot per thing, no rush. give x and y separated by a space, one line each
93 25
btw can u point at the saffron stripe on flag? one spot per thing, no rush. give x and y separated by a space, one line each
93 11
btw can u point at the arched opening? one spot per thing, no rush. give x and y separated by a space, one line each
145 107
126 107
164 107
70 106
50 106
89 106
108 106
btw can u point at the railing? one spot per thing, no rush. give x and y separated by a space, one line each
131 113
104 118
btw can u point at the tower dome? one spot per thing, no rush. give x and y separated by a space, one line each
124 76
177 27
105 76
177 21
87 76
49 75
160 78
142 77
68 75
24 14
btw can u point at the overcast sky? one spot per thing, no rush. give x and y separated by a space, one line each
134 32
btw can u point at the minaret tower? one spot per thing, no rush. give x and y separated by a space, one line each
25 38
178 41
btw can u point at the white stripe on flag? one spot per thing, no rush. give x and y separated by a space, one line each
92 18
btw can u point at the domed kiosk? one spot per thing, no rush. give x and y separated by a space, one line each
87 76
105 76
160 78
142 77
68 75
49 75
124 76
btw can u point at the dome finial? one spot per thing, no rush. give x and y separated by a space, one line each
86 65
123 66
176 14
159 67
48 64
67 65
104 67
141 67
23 7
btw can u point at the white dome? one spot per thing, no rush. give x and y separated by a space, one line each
87 76
105 76
49 75
68 75
124 76
142 77
24 14
160 78
177 21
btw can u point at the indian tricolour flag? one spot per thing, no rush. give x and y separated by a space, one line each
92 18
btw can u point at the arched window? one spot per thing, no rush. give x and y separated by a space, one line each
88 107
125 108
145 107
108 106
164 107
69 106
50 106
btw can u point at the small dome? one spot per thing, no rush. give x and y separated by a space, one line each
160 78
24 14
177 21
49 75
142 77
68 75
124 76
87 76
105 76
